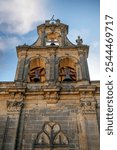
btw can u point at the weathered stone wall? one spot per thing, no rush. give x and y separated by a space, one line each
25 109
2 129
63 113
26 105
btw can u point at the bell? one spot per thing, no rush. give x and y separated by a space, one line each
67 78
52 44
36 78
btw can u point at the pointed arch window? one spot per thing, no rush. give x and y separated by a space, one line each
51 137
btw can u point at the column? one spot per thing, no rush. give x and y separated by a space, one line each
20 70
82 132
26 70
89 111
14 108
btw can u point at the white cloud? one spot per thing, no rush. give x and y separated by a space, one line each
95 45
94 61
19 16
9 43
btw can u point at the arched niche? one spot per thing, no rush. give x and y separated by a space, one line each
51 137
36 70
67 70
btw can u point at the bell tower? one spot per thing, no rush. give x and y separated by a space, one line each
53 58
52 104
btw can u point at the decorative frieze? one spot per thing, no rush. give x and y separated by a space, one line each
14 106
88 106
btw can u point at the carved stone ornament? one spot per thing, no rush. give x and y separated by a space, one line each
51 97
17 95
79 41
14 106
88 106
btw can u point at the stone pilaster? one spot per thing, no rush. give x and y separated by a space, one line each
14 107
82 132
84 68
88 107
26 69
78 71
47 71
56 69
20 70
52 66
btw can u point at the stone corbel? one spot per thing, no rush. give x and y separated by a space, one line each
51 97
16 101
16 95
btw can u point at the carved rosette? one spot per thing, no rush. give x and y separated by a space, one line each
88 106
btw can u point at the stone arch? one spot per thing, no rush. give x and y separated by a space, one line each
37 70
46 60
51 136
42 139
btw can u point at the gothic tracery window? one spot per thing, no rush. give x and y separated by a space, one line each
51 137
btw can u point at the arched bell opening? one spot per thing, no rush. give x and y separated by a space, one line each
37 70
67 70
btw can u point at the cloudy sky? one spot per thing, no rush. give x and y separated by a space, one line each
19 20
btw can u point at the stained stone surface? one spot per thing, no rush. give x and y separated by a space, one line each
26 107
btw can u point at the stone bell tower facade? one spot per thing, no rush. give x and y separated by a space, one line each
52 104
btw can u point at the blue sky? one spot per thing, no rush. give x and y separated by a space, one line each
19 21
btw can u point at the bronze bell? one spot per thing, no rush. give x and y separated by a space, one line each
67 73
52 44
36 78
67 78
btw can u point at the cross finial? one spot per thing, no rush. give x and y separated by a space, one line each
52 19
79 41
